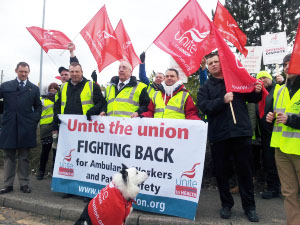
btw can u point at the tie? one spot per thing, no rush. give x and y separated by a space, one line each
21 84
121 85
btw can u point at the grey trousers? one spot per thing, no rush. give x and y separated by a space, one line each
10 157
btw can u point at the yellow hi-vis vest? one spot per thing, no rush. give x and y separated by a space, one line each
175 107
127 101
86 97
277 128
47 111
150 90
290 139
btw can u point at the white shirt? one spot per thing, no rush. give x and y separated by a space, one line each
24 81
125 83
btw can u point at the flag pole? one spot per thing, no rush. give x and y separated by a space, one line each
72 42
41 58
232 112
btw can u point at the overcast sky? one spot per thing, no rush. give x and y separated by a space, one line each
143 20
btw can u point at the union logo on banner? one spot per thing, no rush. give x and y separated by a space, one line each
186 185
66 168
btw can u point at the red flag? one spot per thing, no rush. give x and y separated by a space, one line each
49 39
229 29
236 77
187 37
294 66
101 38
126 45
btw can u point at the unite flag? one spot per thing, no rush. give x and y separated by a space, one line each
49 39
126 45
191 35
187 37
294 66
229 29
102 40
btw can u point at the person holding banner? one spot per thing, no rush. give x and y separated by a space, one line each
286 140
152 86
70 99
228 139
22 110
125 96
172 100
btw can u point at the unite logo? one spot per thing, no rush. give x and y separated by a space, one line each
65 167
126 45
48 37
231 25
186 186
188 40
101 36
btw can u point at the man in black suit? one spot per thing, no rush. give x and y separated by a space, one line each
21 113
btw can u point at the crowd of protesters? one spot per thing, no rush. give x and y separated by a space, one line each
232 144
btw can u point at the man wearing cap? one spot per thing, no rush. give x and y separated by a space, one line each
124 95
64 72
268 152
286 140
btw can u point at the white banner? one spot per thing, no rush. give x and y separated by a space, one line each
171 152
253 60
274 47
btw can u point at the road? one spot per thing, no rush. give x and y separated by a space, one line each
14 217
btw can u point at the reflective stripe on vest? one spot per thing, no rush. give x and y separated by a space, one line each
126 102
86 97
277 128
47 111
290 140
175 107
150 90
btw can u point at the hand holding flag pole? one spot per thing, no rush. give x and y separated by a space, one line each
72 42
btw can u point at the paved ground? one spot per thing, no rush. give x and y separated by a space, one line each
10 216
45 202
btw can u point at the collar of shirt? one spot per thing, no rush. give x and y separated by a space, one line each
125 82
25 81
76 83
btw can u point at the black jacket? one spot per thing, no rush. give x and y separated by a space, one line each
210 100
265 127
73 104
22 110
144 99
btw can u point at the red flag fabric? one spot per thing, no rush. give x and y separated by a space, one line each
236 77
101 39
126 45
49 39
229 29
294 66
187 37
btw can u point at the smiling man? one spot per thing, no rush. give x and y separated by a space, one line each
78 96
124 95
22 110
172 100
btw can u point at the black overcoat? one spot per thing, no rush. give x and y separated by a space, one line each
22 110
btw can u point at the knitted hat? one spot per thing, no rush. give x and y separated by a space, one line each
264 74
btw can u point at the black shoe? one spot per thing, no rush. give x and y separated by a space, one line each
25 189
270 194
65 195
40 175
225 212
6 189
251 215
86 199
